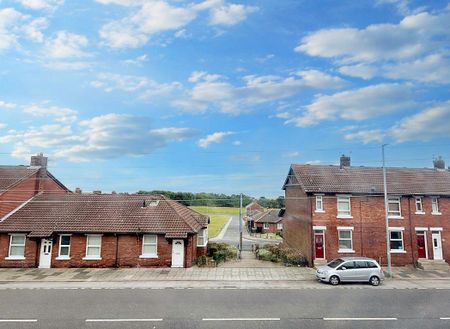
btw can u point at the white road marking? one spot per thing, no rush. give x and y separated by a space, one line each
241 319
360 319
18 320
124 320
445 318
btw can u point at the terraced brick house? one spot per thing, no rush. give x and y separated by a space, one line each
334 211
102 230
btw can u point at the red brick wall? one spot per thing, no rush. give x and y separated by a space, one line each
31 253
369 233
272 228
24 191
297 230
130 248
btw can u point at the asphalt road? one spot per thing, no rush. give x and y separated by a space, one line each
169 308
232 236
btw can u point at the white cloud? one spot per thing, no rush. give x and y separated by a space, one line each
237 143
212 91
366 136
3 125
359 70
60 114
213 138
152 17
146 87
66 45
359 104
10 21
293 154
414 35
7 106
426 125
41 4
137 60
101 137
33 30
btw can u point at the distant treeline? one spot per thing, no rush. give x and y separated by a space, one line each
217 200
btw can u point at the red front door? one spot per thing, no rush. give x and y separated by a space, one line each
318 238
421 246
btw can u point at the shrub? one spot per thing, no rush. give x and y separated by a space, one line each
264 254
201 260
222 252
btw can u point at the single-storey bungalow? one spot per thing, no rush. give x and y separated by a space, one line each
101 230
267 222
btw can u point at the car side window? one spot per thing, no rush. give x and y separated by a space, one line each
371 265
348 266
361 264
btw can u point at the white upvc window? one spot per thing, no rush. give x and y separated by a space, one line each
435 206
266 226
419 205
279 226
394 207
64 246
319 203
344 206
396 244
345 239
93 247
149 246
17 247
202 237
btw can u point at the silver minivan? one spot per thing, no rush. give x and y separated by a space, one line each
351 269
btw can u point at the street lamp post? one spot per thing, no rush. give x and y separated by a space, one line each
386 213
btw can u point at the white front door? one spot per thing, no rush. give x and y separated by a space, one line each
45 258
437 244
177 253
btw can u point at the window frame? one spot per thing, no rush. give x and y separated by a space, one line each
319 199
203 237
435 203
340 213
396 200
16 257
419 202
96 257
60 245
144 243
401 230
266 226
279 226
349 229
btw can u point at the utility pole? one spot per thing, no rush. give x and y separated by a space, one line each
240 225
386 213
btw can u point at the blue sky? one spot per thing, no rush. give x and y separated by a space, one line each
221 95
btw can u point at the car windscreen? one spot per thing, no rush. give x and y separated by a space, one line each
335 263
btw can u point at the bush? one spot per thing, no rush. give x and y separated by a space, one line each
201 260
264 254
222 252
281 253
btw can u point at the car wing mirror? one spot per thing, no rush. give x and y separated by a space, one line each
343 268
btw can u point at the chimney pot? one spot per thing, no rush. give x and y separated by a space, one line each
345 161
439 163
97 192
78 190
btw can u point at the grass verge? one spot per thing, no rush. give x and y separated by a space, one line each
216 210
216 225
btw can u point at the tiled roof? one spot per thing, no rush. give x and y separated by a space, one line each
271 216
104 213
369 180
11 175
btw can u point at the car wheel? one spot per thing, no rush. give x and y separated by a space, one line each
374 280
334 280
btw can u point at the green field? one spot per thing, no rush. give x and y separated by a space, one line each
216 210
216 225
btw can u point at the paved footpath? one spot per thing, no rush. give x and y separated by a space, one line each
254 277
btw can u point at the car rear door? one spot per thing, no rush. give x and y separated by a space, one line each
362 270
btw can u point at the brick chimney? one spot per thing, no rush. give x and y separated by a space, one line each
97 192
344 161
38 160
439 163
78 190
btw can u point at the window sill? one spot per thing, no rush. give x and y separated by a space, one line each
202 245
420 213
91 258
148 256
436 213
396 217
320 211
344 216
398 251
15 258
62 258
343 251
